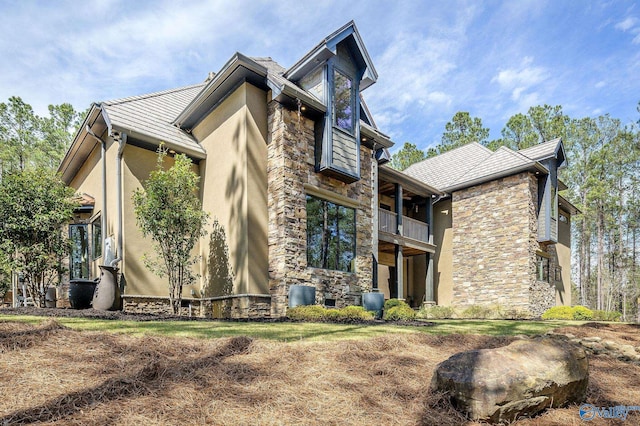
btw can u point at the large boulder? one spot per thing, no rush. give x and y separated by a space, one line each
521 379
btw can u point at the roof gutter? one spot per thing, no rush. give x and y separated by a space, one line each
143 137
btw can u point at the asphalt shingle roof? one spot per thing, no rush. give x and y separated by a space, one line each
444 170
473 163
152 115
541 151
502 160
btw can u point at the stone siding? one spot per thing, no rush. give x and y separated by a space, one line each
291 165
543 294
244 306
495 244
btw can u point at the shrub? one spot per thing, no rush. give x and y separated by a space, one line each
558 313
477 312
436 312
599 315
307 313
581 313
391 303
351 313
320 313
400 313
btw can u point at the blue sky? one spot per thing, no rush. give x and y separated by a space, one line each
434 58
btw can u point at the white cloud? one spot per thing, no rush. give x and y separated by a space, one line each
600 84
626 24
417 66
521 78
522 82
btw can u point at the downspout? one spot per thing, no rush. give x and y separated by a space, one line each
122 143
374 206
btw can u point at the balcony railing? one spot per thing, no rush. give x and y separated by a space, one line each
415 229
411 228
387 221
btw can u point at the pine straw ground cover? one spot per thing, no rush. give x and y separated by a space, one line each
50 374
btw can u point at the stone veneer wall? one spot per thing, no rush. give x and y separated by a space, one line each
291 165
543 294
248 306
495 244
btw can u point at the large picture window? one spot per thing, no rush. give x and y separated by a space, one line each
79 259
331 235
343 102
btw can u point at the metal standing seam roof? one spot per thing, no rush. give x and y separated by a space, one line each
152 114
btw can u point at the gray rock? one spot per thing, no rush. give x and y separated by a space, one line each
521 379
592 339
627 349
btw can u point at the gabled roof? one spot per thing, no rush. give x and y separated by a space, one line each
261 72
149 118
328 48
503 162
543 151
446 169
146 118
473 163
170 115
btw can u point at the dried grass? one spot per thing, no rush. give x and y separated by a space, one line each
59 376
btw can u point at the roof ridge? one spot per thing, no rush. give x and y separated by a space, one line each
150 95
549 142
451 152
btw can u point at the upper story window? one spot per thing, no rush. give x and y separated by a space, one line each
343 102
314 83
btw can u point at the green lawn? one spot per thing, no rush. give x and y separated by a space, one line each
296 331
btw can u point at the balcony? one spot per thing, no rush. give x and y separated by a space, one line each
411 228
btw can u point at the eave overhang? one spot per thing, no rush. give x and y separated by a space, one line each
373 138
419 188
84 142
237 70
566 205
144 140
328 48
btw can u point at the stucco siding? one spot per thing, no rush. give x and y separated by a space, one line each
443 258
234 185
